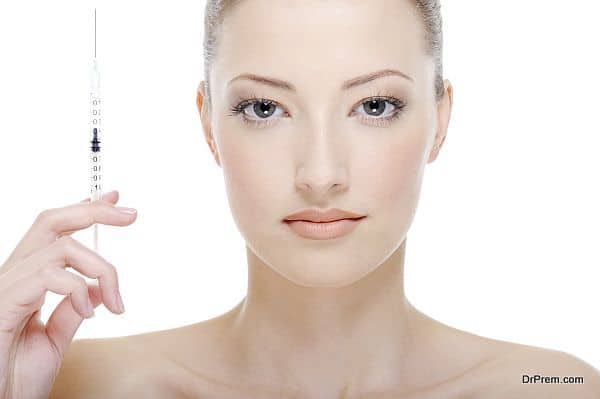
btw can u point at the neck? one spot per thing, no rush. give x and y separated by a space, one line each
292 330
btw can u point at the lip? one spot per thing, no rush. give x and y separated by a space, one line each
318 215
323 225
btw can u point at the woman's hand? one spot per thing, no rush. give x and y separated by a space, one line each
31 352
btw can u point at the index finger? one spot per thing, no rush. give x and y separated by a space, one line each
52 223
111 196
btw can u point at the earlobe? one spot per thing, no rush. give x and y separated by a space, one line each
205 120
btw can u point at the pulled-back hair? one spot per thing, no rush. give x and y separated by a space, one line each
428 10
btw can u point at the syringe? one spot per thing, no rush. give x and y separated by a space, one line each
95 134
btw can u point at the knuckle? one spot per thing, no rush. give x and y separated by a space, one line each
100 204
65 243
80 284
91 210
44 216
95 210
65 248
113 271
90 218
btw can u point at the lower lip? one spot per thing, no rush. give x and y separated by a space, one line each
323 230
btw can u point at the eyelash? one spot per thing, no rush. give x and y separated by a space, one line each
243 103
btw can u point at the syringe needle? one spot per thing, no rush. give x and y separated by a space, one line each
96 237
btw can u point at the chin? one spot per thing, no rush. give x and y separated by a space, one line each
320 269
322 280
333 263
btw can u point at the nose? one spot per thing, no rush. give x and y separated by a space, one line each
322 169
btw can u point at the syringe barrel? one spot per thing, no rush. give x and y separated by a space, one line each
95 122
95 141
95 175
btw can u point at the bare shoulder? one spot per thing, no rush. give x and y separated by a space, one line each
534 372
510 370
103 368
157 364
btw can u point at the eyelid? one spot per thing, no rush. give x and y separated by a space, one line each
398 103
243 102
381 121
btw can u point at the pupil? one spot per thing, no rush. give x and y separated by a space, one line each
263 109
374 107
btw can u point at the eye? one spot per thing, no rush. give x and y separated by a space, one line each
372 109
261 112
258 111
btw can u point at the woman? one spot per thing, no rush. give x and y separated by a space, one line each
308 107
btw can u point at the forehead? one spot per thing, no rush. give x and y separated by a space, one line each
300 40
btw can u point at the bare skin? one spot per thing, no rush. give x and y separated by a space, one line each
203 361
329 318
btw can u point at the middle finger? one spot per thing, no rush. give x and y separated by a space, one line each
52 223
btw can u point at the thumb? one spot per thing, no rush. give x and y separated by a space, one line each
111 196
64 320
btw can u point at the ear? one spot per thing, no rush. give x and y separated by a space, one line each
203 109
444 110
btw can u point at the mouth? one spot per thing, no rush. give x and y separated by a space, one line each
323 230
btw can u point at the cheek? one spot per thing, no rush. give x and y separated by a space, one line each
386 175
391 176
253 182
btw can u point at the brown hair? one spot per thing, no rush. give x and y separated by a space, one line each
429 10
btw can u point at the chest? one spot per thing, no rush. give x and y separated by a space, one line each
213 388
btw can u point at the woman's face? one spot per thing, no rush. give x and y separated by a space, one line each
322 143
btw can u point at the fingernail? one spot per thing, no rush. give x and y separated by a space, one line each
120 302
128 211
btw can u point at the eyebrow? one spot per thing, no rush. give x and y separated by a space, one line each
359 80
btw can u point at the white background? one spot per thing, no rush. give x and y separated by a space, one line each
505 240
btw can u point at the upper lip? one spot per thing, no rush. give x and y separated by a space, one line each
320 215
